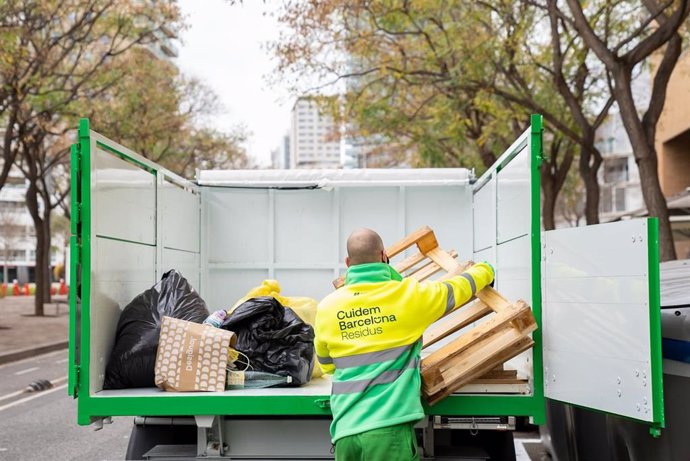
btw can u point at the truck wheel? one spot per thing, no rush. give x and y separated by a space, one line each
144 438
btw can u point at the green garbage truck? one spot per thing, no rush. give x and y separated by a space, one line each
594 292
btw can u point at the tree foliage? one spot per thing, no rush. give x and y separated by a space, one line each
53 54
446 83
64 59
406 76
164 116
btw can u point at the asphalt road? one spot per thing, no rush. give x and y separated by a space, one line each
43 425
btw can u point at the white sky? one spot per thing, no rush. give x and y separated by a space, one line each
224 46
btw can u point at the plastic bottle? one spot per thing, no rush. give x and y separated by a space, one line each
216 319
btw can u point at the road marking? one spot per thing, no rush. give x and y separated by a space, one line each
3 449
62 360
30 359
520 452
54 382
57 381
13 394
28 370
35 396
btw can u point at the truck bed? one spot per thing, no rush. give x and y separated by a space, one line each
316 387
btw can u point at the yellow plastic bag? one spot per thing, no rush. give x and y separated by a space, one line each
304 307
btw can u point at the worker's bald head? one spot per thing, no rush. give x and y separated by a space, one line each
364 246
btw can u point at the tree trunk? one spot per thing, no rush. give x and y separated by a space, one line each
646 159
39 299
5 269
589 171
548 206
46 262
32 206
656 204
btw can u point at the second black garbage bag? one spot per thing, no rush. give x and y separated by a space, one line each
274 338
133 357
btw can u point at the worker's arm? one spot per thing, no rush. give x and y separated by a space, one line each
439 298
322 354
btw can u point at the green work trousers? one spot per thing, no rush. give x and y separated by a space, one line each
393 443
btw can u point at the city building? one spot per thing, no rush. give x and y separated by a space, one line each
673 150
673 132
17 234
314 137
280 156
163 47
619 177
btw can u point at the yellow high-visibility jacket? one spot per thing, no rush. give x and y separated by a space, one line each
368 333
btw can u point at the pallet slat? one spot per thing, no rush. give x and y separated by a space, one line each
447 326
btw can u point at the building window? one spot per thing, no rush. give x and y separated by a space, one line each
613 200
616 170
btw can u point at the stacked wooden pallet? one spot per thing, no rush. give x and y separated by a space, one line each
476 356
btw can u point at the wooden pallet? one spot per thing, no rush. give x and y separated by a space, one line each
502 336
478 354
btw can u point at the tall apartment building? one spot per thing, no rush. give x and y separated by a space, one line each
314 137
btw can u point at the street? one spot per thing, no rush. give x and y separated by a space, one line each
43 425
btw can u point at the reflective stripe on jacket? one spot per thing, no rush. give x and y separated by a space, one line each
368 334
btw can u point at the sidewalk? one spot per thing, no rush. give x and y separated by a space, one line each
21 330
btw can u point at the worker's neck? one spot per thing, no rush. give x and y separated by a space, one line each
371 273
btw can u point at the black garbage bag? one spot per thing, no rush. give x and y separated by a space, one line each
274 338
133 357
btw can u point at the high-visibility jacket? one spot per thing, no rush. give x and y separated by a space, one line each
368 333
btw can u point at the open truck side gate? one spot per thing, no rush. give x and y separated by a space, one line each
594 291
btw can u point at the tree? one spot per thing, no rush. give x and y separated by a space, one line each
550 73
55 53
621 50
451 83
404 76
163 115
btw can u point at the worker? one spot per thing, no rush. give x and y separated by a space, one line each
368 334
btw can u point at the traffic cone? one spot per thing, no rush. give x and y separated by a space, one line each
63 287
15 288
27 291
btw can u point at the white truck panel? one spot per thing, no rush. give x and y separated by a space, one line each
122 271
298 236
484 212
233 233
128 193
179 210
514 198
596 318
